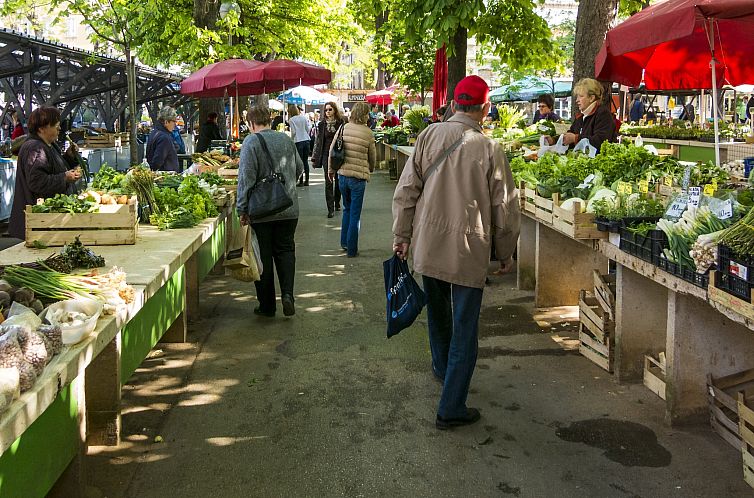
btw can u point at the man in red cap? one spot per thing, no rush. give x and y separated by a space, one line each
455 197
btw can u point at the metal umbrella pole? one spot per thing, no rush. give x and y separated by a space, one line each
713 63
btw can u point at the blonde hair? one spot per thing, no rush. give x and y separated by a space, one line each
359 113
589 86
292 110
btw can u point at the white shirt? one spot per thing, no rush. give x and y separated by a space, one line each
300 127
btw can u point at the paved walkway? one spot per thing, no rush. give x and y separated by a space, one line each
322 405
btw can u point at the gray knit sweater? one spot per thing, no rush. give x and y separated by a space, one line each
253 167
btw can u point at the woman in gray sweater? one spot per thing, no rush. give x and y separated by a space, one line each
275 233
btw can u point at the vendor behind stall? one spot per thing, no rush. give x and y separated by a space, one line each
161 152
545 106
43 169
595 122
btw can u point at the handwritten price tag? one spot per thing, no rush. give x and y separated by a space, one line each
668 181
643 186
677 207
709 189
624 188
725 210
695 195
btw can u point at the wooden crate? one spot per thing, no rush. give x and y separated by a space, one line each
654 375
599 353
604 292
719 296
529 195
114 224
746 429
104 140
228 172
722 396
594 318
544 207
576 224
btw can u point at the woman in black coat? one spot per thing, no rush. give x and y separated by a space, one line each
162 151
596 123
43 170
327 127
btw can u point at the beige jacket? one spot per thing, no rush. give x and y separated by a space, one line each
361 153
470 199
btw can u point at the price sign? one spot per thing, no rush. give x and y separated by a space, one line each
695 195
677 207
725 210
643 186
624 188
587 182
709 189
686 177
668 181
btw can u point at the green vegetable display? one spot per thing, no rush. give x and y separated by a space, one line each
109 180
62 203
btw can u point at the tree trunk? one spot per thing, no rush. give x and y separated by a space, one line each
206 13
132 106
379 20
457 61
592 22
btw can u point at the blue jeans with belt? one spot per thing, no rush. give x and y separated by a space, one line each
352 190
453 322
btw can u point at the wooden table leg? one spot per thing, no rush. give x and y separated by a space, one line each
103 396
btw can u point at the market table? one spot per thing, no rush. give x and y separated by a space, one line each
655 311
76 401
694 150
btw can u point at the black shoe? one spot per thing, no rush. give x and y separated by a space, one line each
268 314
342 248
306 183
472 415
353 255
288 308
330 214
337 208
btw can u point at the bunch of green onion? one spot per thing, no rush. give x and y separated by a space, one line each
51 284
740 236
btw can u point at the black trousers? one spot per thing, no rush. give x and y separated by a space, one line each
303 152
332 192
276 244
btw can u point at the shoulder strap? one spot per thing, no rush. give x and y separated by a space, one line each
270 164
445 155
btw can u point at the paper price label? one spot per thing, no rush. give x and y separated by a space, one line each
677 207
643 186
587 181
668 181
725 210
709 189
686 177
624 188
695 195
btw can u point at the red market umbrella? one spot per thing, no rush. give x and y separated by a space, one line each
681 44
281 74
214 80
381 97
440 83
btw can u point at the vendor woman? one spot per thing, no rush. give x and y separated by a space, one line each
595 122
162 152
43 169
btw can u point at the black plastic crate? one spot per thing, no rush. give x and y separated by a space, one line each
730 263
605 225
733 285
647 247
698 279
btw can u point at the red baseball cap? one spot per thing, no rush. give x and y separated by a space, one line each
471 90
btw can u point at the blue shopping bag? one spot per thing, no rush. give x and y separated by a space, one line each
405 299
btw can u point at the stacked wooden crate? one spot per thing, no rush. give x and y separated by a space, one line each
724 406
597 321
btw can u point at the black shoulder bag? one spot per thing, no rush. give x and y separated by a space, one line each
268 196
338 153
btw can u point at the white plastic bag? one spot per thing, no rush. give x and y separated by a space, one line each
544 148
21 316
651 149
585 147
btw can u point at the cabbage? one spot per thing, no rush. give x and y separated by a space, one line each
568 203
604 194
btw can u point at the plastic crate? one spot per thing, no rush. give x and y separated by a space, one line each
734 285
646 247
698 279
730 263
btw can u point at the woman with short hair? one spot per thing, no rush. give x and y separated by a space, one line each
263 149
596 123
331 121
43 169
545 105
353 175
161 153
299 124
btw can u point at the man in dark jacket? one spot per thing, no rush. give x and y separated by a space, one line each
161 153
207 132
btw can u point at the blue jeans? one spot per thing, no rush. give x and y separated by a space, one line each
453 322
352 190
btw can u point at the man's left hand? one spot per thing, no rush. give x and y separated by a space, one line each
331 175
244 218
505 267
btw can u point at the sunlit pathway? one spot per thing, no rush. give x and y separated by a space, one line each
322 405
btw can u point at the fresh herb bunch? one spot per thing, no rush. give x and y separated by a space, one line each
176 218
109 180
80 256
62 203
214 179
169 180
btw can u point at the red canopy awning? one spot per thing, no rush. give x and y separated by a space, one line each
440 82
214 80
669 43
281 74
